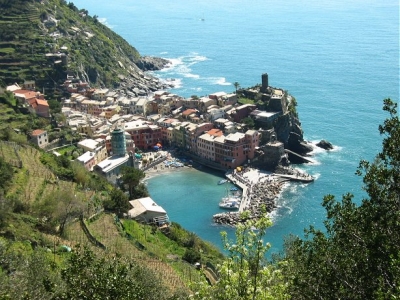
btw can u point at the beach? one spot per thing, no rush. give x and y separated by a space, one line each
163 162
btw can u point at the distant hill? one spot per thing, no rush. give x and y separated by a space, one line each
48 39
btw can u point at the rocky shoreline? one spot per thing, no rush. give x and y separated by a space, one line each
262 194
259 190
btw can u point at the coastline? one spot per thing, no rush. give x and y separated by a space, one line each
260 188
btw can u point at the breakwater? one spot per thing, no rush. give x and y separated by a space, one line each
259 190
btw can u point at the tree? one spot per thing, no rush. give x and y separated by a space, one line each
118 201
358 257
131 177
245 273
236 85
58 208
249 122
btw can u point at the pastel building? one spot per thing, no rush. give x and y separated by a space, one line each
147 211
144 134
88 160
236 149
40 138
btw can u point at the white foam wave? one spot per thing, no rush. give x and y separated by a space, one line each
177 83
197 89
173 63
195 57
316 176
104 22
313 161
218 81
190 75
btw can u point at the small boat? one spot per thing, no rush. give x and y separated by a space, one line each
234 189
222 181
229 203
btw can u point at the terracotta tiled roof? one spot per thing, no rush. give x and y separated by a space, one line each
215 132
27 94
188 112
42 102
37 132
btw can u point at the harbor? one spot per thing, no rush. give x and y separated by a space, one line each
260 189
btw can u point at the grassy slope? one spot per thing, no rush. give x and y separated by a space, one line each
34 181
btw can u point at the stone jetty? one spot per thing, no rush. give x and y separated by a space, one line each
259 189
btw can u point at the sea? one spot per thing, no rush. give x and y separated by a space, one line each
339 59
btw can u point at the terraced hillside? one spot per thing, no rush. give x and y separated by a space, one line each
175 273
32 180
22 44
46 40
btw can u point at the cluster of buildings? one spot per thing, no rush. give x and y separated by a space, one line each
29 98
208 127
114 125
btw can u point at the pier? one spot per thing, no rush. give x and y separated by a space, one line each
245 191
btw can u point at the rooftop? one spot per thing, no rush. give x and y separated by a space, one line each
112 162
37 132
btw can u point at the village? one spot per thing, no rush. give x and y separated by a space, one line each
126 129
208 128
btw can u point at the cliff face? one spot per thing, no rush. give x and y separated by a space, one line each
46 40
281 130
289 132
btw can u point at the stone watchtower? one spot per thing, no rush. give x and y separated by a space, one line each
264 82
118 143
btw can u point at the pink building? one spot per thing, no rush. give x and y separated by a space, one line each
236 149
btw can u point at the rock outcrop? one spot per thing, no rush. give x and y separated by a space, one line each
325 145
151 63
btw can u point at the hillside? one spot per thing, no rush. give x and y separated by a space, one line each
47 40
41 211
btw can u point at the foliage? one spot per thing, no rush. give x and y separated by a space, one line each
244 274
242 100
190 240
191 256
58 208
118 202
359 255
60 165
25 274
236 85
89 277
6 174
249 122
25 39
55 106
292 105
131 177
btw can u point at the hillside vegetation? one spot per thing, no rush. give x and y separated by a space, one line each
46 40
44 201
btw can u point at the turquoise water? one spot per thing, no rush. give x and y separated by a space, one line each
340 59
